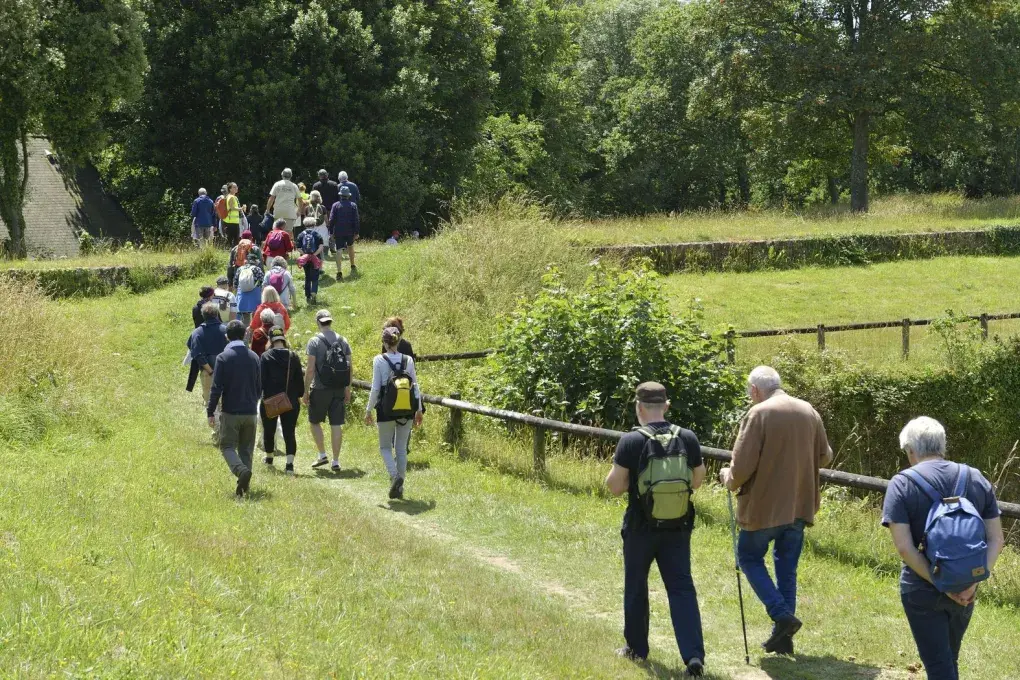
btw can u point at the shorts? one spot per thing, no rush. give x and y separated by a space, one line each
327 403
343 241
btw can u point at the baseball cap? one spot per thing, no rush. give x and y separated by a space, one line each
246 233
222 281
277 334
651 393
323 316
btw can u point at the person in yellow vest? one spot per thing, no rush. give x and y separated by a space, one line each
232 222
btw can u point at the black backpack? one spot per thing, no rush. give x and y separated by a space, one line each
335 371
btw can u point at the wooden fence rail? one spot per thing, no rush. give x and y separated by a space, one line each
820 331
541 426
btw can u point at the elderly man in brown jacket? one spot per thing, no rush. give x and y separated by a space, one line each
776 459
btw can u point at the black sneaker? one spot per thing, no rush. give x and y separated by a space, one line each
695 668
268 460
339 275
289 470
400 488
395 487
786 627
320 462
243 482
784 647
630 655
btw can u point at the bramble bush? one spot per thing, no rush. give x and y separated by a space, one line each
577 355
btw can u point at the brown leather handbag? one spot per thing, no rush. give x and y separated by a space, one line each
279 404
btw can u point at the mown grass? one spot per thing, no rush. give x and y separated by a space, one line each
125 554
891 214
881 292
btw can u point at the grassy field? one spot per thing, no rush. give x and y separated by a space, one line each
893 214
125 554
882 292
117 258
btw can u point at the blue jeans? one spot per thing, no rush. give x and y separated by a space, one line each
779 598
938 625
311 281
671 550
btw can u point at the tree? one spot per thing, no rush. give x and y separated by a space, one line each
839 62
63 64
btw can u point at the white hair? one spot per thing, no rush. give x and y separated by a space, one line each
267 316
280 262
315 194
286 174
925 436
342 176
202 192
766 379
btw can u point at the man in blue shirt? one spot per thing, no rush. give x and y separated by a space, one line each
203 217
937 620
345 225
237 378
344 182
205 344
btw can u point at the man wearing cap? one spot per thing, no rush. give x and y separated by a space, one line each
345 225
643 544
328 190
225 300
237 378
779 451
324 399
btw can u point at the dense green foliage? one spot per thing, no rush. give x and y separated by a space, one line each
577 355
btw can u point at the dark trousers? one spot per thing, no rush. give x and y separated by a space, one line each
311 280
779 598
938 625
671 550
288 421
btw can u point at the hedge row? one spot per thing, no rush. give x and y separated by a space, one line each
825 251
100 281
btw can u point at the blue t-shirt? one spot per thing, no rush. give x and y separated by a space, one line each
203 212
906 503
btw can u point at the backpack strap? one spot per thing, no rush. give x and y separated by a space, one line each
929 490
962 479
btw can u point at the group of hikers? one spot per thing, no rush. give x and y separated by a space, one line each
943 518
325 221
251 378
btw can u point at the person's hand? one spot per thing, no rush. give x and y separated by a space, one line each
212 422
724 476
417 419
305 399
347 395
964 598
368 420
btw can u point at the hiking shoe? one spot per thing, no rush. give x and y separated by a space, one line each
268 460
354 270
243 482
339 275
630 655
400 488
289 470
394 487
695 667
320 462
784 647
335 467
786 627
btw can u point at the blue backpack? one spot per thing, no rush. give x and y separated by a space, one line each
954 536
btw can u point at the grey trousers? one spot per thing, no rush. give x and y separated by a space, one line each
394 437
237 441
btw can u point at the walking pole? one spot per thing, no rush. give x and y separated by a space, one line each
736 563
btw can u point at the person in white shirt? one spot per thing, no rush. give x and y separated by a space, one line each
225 300
285 201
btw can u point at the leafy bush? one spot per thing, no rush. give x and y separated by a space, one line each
577 356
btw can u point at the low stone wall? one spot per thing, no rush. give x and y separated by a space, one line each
825 251
100 281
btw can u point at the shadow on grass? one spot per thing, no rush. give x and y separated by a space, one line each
418 465
654 669
326 473
258 494
409 507
816 667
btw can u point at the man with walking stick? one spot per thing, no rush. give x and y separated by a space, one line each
776 459
660 466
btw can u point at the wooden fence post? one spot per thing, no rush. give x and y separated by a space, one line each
731 346
538 449
821 337
984 326
455 428
906 338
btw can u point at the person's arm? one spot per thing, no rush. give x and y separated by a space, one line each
746 452
215 392
331 222
309 373
256 320
909 553
822 448
996 541
295 369
698 476
271 203
357 220
350 362
411 371
378 366
263 364
618 480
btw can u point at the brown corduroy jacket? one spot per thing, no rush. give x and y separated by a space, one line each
776 458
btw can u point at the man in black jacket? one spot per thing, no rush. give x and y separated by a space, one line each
237 378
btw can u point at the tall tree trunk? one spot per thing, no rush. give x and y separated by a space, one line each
13 185
859 162
833 190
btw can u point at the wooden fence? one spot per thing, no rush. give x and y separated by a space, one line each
540 428
820 331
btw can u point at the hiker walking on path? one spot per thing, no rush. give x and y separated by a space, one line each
205 294
342 181
328 386
312 246
239 254
659 466
285 201
271 301
281 374
237 380
328 190
282 281
248 281
205 344
396 398
779 451
232 222
225 300
203 217
344 225
260 336
939 603
278 242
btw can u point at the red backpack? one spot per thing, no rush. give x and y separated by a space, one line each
275 240
220 206
244 247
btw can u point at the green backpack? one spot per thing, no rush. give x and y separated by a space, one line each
664 481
